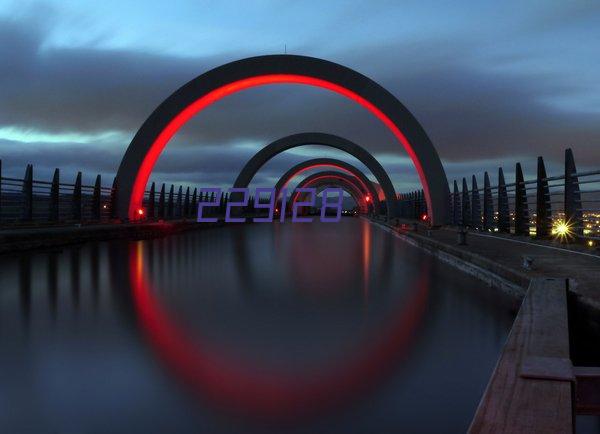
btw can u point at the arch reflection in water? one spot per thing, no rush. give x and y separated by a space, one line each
244 387
67 365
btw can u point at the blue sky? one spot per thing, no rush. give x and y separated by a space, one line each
491 82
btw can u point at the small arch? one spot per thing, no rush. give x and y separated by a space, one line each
329 162
302 139
330 178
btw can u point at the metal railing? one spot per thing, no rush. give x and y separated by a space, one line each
565 206
27 201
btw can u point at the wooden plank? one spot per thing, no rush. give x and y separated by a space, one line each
588 390
514 404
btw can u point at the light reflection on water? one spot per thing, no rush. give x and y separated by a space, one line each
302 328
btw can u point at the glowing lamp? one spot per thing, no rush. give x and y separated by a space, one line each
424 217
562 229
140 212
368 198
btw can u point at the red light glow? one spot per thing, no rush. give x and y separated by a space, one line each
331 176
314 166
242 387
201 103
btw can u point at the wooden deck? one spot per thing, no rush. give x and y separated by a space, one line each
530 390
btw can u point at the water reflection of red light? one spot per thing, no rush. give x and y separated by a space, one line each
238 387
320 258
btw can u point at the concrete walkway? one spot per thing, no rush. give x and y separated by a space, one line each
504 256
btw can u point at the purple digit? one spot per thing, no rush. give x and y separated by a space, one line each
338 205
283 196
217 192
231 204
298 204
270 205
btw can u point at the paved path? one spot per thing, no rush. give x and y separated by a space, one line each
503 255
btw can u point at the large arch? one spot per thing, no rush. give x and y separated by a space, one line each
331 178
330 163
337 142
197 94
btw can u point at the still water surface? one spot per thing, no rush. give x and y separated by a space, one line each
251 328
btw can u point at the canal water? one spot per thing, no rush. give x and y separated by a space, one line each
302 328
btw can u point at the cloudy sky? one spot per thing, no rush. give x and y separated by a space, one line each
492 82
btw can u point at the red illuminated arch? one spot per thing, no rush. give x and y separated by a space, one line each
177 109
336 179
366 184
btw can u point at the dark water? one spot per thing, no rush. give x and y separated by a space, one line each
319 328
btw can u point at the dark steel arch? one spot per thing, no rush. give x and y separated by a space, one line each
302 139
329 162
197 94
330 178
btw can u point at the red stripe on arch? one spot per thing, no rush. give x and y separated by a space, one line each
314 166
260 80
330 176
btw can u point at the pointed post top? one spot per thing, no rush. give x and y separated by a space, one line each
501 176
519 173
569 162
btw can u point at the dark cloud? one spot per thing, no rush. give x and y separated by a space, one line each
471 110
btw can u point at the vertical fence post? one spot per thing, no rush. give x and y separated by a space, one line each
171 202
488 204
466 206
415 207
194 206
97 199
521 208
456 219
573 213
161 203
27 194
53 212
179 210
113 199
151 201
76 202
543 208
475 205
186 203
401 204
417 204
503 208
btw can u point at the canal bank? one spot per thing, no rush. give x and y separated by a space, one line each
551 348
45 236
509 263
